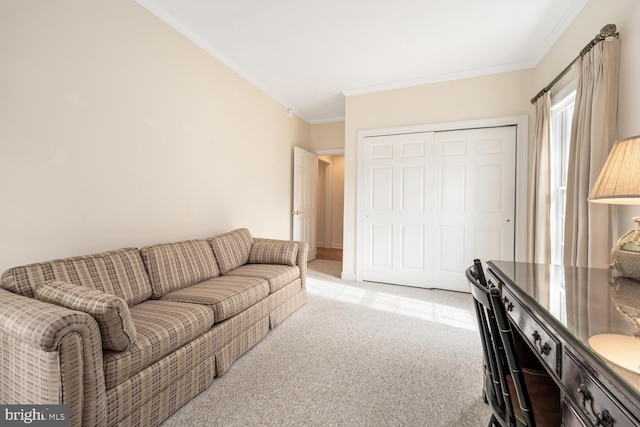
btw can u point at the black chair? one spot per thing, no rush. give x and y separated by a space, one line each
517 396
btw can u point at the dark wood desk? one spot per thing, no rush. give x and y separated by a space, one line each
564 313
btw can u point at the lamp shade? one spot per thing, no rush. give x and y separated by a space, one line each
619 180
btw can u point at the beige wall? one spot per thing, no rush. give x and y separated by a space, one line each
324 136
337 231
116 131
498 95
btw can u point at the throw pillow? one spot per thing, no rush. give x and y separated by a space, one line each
110 311
273 253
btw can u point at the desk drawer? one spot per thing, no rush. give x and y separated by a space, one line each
590 398
544 343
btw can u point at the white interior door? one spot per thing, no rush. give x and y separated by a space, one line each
398 216
305 171
433 201
475 213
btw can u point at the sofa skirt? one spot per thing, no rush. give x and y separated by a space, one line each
287 308
137 392
162 405
240 345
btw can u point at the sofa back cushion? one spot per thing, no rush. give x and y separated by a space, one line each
232 249
174 266
111 312
120 272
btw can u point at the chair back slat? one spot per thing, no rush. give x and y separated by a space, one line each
499 351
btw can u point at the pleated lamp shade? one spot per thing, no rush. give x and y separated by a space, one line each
619 180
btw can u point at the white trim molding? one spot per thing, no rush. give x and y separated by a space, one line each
330 152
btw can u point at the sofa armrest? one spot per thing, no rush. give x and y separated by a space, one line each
51 355
302 259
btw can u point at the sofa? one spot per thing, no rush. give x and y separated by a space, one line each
126 337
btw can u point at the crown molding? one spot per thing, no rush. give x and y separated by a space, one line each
154 8
563 23
561 26
438 78
199 41
327 120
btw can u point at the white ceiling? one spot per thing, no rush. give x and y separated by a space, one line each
309 54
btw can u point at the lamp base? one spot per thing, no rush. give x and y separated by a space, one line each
625 257
626 262
622 350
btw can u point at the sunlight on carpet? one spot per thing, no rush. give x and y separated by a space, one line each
323 282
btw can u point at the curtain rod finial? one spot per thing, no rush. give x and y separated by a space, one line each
608 30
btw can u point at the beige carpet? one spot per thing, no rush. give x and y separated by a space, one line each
358 354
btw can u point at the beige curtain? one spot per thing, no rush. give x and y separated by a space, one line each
538 233
587 241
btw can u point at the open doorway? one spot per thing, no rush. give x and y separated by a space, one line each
330 207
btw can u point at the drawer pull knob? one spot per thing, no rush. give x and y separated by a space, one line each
603 419
544 349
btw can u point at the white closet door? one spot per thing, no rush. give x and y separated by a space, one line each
475 189
434 201
398 217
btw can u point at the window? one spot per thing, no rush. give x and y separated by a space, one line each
561 117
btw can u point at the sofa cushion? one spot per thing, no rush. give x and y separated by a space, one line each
232 249
273 253
278 276
173 266
225 295
120 272
110 311
162 327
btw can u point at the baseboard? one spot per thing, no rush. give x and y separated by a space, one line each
331 246
348 276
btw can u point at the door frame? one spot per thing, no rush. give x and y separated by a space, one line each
331 152
521 200
327 203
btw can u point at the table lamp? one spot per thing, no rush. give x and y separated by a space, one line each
619 184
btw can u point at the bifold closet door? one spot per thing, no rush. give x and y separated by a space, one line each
435 200
398 211
475 211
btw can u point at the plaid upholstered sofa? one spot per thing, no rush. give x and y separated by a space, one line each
128 336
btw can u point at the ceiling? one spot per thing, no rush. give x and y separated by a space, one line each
309 54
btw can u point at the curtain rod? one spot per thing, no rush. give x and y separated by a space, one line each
608 30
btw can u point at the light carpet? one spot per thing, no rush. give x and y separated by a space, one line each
357 354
